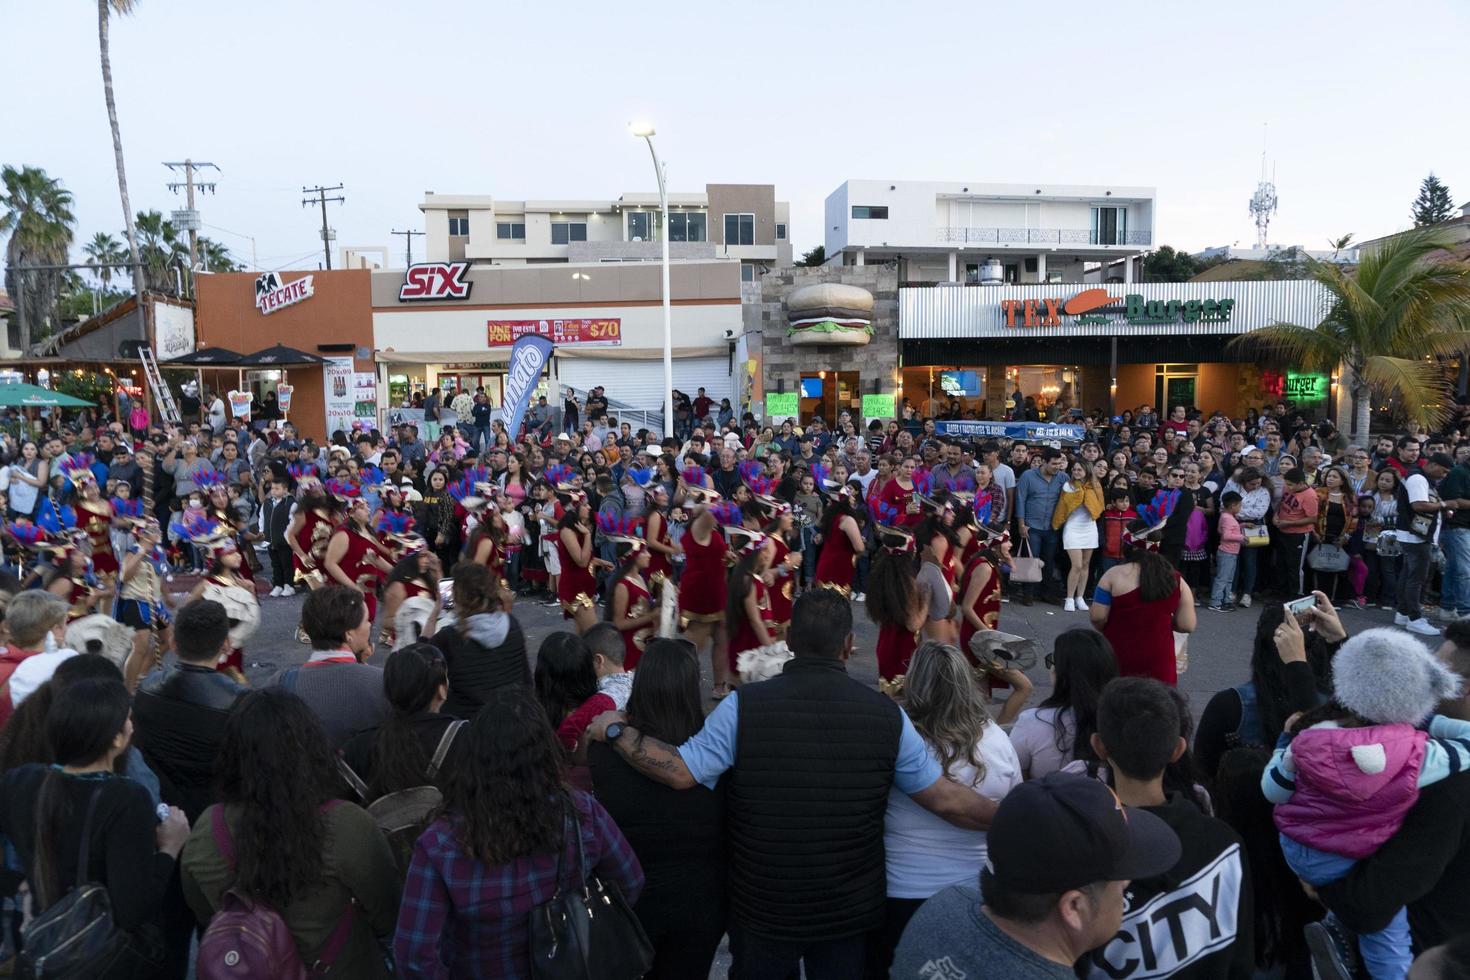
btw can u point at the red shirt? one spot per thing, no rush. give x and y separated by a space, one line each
10 658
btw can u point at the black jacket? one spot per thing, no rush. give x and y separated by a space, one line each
178 723
476 670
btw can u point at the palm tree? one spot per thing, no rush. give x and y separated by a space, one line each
103 250
160 249
216 257
105 9
1406 306
36 210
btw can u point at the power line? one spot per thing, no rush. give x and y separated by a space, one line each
320 197
408 237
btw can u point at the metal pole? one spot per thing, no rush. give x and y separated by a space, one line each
663 203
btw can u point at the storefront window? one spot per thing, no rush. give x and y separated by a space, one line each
1175 384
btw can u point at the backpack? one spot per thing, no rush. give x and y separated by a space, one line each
246 938
402 816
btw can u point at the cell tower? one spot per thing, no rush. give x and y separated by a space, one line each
1263 203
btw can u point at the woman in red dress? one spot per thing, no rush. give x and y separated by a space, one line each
661 546
748 606
630 602
785 567
899 494
96 520
354 557
1138 606
841 542
487 543
702 591
895 603
311 528
576 587
416 574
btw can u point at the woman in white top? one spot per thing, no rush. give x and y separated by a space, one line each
1059 730
1078 507
923 853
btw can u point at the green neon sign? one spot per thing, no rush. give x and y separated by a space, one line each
1305 387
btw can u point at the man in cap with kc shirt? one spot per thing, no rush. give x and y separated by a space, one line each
1061 853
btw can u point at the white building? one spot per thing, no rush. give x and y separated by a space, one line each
743 222
946 231
1340 256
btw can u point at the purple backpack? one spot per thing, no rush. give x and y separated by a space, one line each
246 938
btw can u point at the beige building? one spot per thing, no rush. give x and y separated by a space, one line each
742 222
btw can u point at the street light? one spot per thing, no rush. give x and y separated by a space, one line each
644 130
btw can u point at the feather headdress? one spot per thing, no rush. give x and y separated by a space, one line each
78 468
620 530
641 475
203 531
209 478
130 509
560 476
727 514
395 523
304 473
343 490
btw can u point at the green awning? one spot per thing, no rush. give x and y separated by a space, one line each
19 395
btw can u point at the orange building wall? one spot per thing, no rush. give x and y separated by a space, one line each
339 312
1217 388
1135 386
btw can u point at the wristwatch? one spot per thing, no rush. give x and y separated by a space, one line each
614 731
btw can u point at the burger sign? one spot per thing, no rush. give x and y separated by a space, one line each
829 313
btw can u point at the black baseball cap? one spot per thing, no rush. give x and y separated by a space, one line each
1064 831
1442 459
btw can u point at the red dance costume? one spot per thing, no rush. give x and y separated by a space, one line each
896 647
837 560
358 566
659 566
79 598
97 525
987 605
1142 635
228 520
235 659
744 637
702 587
575 587
635 638
315 531
898 498
781 589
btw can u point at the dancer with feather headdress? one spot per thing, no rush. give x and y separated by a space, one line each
224 583
630 605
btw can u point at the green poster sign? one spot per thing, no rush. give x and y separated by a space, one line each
1305 387
878 406
782 405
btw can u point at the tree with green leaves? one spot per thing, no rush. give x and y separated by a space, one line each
215 257
1167 265
814 258
160 249
36 210
1389 324
102 251
105 10
1434 203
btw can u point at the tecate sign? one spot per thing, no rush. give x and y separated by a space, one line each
271 294
1098 307
435 280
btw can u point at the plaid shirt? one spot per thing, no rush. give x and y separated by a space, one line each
461 918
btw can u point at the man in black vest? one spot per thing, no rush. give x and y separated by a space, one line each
811 755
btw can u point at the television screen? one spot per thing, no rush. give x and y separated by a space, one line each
960 384
811 387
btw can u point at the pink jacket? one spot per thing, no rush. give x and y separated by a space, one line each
1353 786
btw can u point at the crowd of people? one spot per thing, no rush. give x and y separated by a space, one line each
422 817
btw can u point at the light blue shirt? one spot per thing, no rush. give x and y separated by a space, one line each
712 751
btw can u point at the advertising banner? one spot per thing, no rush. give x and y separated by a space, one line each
338 394
365 398
878 406
1030 431
562 333
782 406
527 358
283 397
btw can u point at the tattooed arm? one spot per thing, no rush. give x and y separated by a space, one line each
699 761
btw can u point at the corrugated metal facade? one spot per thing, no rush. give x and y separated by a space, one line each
962 312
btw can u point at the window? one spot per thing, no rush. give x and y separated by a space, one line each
1109 226
687 226
747 272
642 225
568 231
872 212
780 232
511 231
739 229
459 224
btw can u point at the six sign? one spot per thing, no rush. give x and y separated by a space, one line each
435 280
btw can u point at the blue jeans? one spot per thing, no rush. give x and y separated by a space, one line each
1248 557
1386 952
1455 591
1043 546
482 437
1224 577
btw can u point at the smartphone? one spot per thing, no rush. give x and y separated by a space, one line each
1298 606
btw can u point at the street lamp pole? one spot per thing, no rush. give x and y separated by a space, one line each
646 132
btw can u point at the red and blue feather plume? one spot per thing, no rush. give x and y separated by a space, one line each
78 468
343 490
923 482
303 471
882 512
25 533
395 522
373 477
823 476
728 514
560 475
196 526
693 476
750 470
209 478
619 527
132 507
642 475
964 483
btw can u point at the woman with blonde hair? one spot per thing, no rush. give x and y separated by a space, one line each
923 853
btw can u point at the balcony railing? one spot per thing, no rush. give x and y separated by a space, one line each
966 235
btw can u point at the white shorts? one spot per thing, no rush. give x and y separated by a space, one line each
552 559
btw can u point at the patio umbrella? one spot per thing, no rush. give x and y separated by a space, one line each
207 357
18 395
279 356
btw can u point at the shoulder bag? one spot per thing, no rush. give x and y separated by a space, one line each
587 932
1328 557
1027 568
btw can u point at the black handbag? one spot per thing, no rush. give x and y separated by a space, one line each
75 937
591 924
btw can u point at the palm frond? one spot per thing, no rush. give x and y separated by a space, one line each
1419 384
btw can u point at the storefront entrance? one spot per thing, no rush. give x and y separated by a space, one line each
1175 384
827 393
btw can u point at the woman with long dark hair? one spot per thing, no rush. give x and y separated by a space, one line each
785 565
487 542
311 526
895 602
46 811
678 835
503 847
576 587
841 542
397 754
436 518
938 545
1139 605
316 860
748 603
1059 730
564 675
630 600
660 543
354 557
485 649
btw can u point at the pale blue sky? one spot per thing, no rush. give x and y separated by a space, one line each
1361 99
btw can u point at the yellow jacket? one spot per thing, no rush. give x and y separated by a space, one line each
1090 496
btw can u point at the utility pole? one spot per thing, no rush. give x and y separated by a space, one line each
320 197
189 220
408 237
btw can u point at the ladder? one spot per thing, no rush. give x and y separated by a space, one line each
161 393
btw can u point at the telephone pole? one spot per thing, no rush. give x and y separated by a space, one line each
188 220
408 237
320 197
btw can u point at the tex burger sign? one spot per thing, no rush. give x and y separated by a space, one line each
272 294
1099 307
606 332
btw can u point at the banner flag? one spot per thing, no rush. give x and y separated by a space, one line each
527 357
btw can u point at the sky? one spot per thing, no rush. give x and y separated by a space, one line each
1354 103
